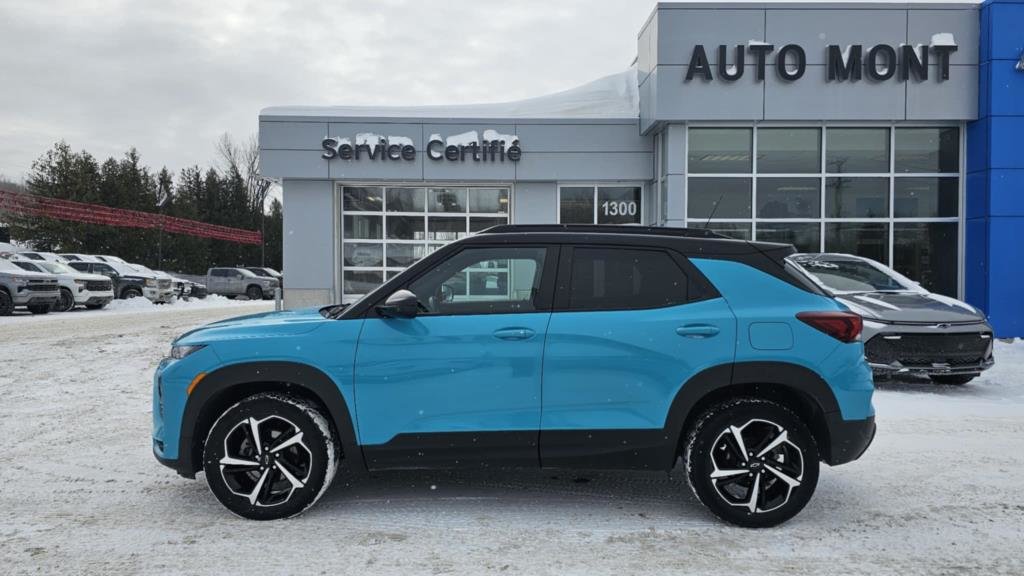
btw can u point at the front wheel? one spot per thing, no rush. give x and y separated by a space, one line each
130 293
952 379
66 302
752 462
270 456
6 304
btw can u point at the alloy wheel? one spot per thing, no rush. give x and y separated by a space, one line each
67 301
265 460
756 466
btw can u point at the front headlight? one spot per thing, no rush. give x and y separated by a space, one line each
20 280
179 352
150 282
80 282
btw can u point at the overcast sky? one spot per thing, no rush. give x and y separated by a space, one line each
169 77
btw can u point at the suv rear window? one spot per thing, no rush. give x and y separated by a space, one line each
625 279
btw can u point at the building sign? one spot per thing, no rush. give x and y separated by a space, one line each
467 146
879 62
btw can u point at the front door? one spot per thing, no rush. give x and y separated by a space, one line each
459 384
630 327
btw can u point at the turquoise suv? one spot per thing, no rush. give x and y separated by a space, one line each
534 346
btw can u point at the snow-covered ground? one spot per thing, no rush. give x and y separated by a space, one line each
938 492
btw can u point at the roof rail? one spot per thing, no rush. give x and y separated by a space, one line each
606 229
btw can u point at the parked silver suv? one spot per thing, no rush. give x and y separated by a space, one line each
233 282
36 291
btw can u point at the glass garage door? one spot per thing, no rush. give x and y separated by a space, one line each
890 193
385 229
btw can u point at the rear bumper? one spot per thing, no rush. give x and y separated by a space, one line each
848 439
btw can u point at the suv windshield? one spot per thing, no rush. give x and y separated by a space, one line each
56 268
848 276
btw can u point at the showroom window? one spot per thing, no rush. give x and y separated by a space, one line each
385 229
890 193
579 204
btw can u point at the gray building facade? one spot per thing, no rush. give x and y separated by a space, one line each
832 126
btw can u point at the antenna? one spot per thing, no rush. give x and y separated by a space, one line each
715 209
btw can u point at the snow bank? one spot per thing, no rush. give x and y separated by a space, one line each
614 96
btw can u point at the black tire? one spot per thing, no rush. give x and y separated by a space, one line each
66 303
96 306
40 308
129 293
759 424
952 379
6 303
311 461
254 293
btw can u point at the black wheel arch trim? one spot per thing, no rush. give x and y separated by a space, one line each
760 379
257 377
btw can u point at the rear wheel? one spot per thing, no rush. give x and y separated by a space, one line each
66 302
270 456
254 293
752 462
952 379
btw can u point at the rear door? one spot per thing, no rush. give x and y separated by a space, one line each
216 279
459 384
630 326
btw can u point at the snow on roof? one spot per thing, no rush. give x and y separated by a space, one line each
614 96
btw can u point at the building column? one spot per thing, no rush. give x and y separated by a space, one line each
674 140
993 259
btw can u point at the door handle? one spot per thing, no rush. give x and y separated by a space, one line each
514 334
697 330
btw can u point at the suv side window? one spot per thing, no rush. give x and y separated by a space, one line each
104 269
80 266
484 280
606 278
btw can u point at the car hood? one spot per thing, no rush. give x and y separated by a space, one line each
287 323
915 307
87 277
30 274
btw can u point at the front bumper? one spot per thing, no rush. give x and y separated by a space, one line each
928 348
88 298
848 439
159 295
35 298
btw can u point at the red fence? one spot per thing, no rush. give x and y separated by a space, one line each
31 205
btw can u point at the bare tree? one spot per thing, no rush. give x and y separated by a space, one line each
244 159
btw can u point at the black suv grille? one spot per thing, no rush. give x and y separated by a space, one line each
42 287
98 285
926 349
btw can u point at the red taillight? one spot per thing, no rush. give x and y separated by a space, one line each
843 326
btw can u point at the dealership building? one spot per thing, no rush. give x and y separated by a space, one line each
885 130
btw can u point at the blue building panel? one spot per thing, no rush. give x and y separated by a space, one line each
994 204
976 202
1006 193
976 263
1006 276
1004 37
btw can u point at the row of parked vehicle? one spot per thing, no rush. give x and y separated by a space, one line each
43 282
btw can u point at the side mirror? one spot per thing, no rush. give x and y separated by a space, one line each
401 304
